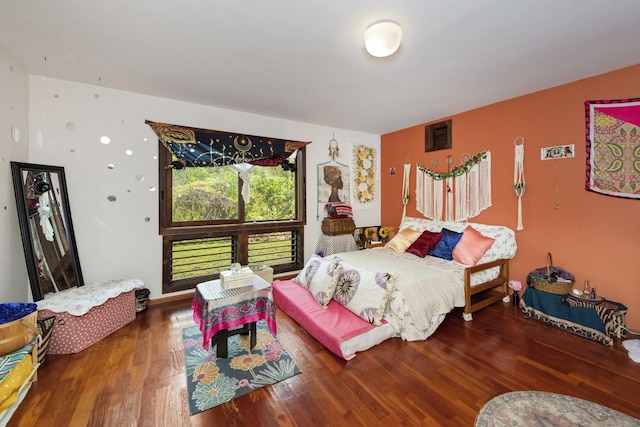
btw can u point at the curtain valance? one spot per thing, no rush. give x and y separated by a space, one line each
203 147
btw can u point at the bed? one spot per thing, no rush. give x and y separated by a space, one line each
418 291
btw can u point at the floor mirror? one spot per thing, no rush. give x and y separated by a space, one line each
48 239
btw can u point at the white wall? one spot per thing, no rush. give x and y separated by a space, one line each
14 285
120 239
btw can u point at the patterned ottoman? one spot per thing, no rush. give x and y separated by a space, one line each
85 315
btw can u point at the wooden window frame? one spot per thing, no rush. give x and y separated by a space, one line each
437 136
172 231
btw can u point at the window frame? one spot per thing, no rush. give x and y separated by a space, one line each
176 231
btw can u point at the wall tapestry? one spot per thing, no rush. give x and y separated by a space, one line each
365 176
333 184
457 195
613 147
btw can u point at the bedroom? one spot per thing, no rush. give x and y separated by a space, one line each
590 248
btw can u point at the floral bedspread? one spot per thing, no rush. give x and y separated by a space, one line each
78 301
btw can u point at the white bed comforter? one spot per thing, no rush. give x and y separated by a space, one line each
426 290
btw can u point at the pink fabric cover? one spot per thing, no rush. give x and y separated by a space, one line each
72 334
328 326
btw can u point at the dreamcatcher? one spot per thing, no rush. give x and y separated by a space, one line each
518 177
334 150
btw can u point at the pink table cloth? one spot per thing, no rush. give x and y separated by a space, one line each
215 308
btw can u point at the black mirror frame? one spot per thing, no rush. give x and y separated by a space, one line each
17 168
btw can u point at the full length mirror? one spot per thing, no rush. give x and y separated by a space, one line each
47 231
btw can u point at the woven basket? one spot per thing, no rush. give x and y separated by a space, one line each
18 333
338 226
542 282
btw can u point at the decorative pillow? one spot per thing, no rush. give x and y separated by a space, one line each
323 283
45 326
364 292
308 271
445 246
9 361
403 239
426 242
471 246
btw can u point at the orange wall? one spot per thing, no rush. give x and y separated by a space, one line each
595 237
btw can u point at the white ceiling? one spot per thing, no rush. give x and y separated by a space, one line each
305 60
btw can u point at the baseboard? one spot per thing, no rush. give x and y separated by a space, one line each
188 296
172 298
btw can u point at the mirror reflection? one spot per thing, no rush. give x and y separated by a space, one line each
45 224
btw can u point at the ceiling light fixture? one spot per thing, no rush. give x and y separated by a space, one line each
382 38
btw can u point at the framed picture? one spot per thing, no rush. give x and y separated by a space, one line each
557 152
364 234
333 183
437 136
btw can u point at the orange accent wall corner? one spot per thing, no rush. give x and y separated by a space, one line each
593 236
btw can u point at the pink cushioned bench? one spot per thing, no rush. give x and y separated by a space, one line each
332 327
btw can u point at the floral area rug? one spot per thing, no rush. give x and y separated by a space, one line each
538 408
212 381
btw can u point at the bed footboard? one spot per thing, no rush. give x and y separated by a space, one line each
484 294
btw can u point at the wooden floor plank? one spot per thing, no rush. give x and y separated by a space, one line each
136 376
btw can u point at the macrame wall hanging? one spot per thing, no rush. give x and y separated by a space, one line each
405 189
456 195
519 184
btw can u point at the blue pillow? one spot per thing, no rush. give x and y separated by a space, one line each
445 246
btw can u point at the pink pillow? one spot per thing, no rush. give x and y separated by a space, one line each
471 247
426 242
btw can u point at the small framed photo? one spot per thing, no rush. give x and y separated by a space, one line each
557 152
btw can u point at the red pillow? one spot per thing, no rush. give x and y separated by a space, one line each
424 243
471 247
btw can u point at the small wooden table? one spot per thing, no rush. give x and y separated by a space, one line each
221 313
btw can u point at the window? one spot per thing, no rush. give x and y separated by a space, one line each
437 136
206 225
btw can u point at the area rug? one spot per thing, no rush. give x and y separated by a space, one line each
633 347
538 408
212 381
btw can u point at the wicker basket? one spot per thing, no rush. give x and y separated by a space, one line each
18 333
142 299
541 279
338 226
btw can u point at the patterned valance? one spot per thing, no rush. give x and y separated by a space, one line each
203 147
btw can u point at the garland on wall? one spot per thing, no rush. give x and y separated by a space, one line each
456 195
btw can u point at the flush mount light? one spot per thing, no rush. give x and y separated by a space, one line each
382 38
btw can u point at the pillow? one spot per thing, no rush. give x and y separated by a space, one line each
445 246
472 246
363 292
308 271
45 326
403 239
426 242
323 283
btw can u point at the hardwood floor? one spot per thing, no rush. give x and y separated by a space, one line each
135 377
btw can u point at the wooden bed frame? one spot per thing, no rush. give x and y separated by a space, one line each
486 293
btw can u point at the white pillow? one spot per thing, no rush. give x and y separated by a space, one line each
363 292
310 269
323 283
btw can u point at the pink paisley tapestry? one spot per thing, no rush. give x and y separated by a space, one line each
613 147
